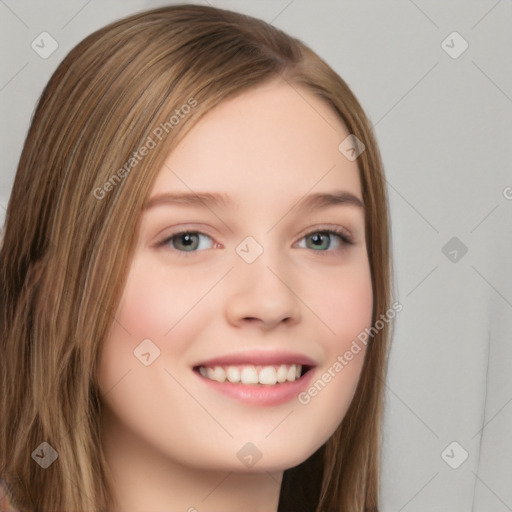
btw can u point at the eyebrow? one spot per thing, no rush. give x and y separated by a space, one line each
314 201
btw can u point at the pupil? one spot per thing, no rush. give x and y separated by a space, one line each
187 240
317 239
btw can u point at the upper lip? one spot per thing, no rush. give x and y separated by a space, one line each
267 358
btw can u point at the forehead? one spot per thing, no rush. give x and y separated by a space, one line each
270 142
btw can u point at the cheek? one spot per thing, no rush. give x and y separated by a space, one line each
155 302
345 303
155 305
345 307
143 313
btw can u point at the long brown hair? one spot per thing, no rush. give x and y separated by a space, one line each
69 239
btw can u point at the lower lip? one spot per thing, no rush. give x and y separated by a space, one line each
261 394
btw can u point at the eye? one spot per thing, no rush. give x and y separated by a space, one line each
324 240
187 241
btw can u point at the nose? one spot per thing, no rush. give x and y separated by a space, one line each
262 293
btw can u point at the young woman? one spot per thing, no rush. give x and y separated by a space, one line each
195 277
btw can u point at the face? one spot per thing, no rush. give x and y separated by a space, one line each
230 298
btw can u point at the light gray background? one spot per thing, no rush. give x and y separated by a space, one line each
445 129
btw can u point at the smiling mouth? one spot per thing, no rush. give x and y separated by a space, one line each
267 375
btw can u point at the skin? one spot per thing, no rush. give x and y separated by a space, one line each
170 440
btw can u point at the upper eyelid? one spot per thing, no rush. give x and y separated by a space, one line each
193 228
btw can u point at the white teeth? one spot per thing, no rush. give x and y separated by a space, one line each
250 374
233 374
268 375
292 373
282 372
219 374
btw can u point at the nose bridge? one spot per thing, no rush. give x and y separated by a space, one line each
262 286
262 261
265 256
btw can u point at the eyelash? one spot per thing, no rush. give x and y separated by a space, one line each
345 240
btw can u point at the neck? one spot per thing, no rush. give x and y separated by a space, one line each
146 479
